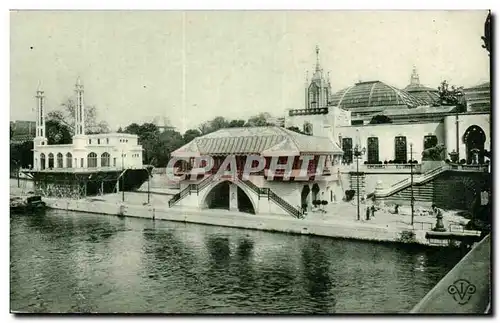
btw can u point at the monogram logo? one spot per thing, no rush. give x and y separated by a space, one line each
462 290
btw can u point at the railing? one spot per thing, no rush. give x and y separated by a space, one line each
416 167
273 197
478 168
204 183
299 112
179 196
284 205
417 180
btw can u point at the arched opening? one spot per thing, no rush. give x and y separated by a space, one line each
303 197
51 160
474 139
244 203
219 198
92 160
69 160
59 160
42 161
105 158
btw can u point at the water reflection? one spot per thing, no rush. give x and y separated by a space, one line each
66 262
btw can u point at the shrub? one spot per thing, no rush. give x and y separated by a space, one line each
391 162
385 161
407 237
447 161
366 162
324 202
349 194
462 161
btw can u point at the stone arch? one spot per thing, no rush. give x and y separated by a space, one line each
92 160
59 160
216 183
105 159
474 139
42 161
51 160
69 160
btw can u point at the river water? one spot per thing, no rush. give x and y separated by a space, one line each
77 262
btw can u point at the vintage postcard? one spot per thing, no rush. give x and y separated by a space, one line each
250 162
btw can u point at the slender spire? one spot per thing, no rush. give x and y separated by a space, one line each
39 87
317 59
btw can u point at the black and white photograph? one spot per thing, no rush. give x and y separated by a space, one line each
251 162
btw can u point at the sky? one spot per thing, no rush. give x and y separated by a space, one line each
192 66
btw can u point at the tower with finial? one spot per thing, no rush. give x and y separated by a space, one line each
79 109
318 89
415 79
40 138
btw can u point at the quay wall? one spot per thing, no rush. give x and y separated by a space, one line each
269 222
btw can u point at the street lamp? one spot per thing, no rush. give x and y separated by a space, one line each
123 184
411 183
358 151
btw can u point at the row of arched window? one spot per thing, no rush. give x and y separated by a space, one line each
400 148
58 161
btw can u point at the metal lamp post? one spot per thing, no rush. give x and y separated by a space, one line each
358 151
411 183
123 184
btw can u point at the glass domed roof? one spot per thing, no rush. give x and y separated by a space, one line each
374 94
428 94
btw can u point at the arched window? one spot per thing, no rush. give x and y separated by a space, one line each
372 150
400 154
42 161
69 159
430 141
92 160
347 148
105 160
51 160
59 160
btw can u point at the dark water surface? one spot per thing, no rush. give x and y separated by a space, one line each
76 262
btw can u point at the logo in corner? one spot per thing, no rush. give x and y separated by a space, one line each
462 291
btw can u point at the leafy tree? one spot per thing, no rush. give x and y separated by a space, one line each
11 131
213 125
57 133
66 116
120 130
133 128
452 96
190 135
21 155
236 123
259 120
380 119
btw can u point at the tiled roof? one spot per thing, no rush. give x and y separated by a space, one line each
265 141
372 94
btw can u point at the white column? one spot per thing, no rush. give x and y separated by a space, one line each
79 109
233 197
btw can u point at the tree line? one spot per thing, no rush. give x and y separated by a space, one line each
158 146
